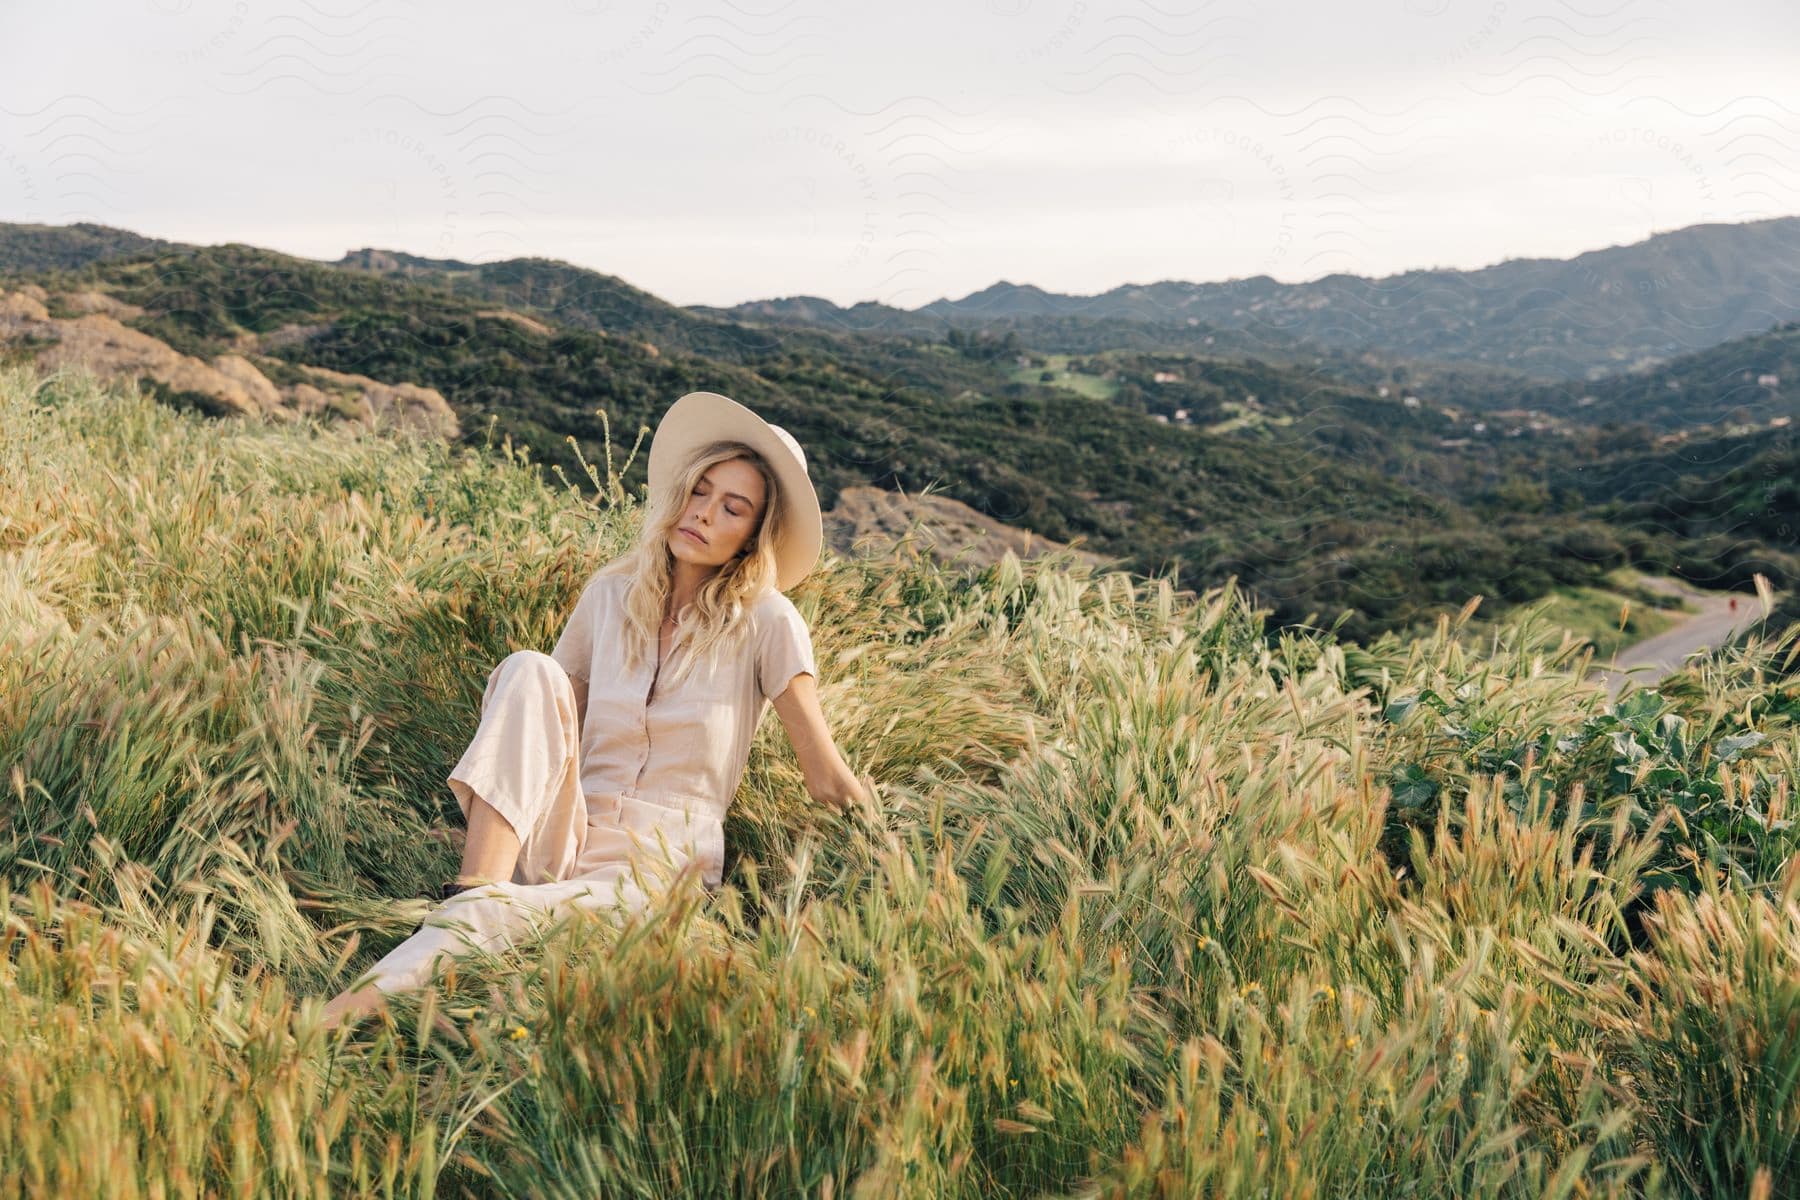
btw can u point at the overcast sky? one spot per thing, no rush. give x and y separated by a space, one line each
716 153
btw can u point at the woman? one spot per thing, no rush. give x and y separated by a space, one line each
608 764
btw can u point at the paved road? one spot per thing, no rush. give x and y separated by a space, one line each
1647 662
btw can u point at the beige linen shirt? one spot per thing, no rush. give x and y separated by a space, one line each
685 745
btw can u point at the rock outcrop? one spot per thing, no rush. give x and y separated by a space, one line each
867 521
232 383
520 319
367 401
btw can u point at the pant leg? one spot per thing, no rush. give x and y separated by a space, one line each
525 761
492 918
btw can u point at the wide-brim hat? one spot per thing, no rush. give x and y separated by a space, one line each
701 417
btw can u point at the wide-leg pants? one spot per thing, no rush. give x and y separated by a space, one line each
576 851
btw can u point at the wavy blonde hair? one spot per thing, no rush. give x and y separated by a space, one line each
715 620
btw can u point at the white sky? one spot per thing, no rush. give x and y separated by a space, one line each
716 153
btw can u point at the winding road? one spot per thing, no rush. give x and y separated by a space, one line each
1647 662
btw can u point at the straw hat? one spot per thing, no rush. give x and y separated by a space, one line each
701 417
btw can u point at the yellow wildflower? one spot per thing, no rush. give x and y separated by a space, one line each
519 1032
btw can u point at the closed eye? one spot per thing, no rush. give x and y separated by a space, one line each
736 512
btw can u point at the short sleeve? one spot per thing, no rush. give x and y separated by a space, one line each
574 650
783 649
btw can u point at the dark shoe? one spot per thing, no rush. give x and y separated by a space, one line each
450 889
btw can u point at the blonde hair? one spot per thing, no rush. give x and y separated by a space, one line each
715 620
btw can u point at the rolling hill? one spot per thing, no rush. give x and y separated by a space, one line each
1597 313
1321 497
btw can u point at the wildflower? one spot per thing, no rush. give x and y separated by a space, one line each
810 1011
1461 1058
519 1032
1201 943
1350 1042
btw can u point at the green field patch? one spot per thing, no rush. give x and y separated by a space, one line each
1057 367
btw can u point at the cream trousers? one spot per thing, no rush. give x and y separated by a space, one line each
576 852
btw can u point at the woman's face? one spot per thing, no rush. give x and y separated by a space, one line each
724 509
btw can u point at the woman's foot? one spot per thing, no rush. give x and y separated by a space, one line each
349 1006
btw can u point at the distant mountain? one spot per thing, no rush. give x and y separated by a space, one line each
1024 300
399 263
1058 333
1605 311
864 317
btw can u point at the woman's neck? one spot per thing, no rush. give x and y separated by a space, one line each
686 585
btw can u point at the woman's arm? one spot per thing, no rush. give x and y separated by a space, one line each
829 779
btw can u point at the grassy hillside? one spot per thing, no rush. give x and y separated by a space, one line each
25 249
1730 500
902 414
1146 906
1746 381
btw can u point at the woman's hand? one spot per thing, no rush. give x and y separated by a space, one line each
865 793
857 796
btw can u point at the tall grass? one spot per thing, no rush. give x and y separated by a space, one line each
1152 901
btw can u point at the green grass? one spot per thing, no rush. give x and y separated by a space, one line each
1079 382
1609 622
1145 905
1246 418
1606 618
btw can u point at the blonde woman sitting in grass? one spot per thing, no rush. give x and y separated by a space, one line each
615 756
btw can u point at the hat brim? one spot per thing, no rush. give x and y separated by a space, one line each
701 417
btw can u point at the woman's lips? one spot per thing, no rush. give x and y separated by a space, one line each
695 536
